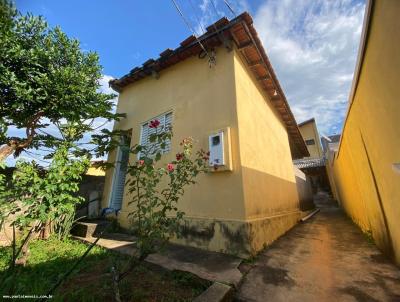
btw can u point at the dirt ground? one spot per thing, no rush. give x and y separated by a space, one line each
326 258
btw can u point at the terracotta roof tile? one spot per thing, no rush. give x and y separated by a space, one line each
240 30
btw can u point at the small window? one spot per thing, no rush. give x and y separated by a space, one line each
165 124
215 140
310 142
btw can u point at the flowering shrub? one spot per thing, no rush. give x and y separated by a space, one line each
156 188
154 124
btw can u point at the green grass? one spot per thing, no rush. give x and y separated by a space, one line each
369 237
92 281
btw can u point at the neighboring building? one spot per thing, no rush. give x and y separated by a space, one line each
309 131
331 145
330 142
314 165
365 166
252 198
91 189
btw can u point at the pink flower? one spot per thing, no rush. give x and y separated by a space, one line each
154 124
141 162
170 167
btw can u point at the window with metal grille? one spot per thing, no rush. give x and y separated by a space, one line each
165 124
310 142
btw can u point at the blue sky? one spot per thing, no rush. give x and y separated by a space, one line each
312 44
124 33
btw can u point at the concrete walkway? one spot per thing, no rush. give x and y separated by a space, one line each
327 258
211 266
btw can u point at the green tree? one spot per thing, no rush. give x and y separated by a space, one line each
42 196
38 198
45 80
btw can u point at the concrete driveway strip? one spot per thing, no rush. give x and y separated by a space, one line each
326 258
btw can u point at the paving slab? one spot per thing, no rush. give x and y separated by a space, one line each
217 292
326 258
118 242
206 265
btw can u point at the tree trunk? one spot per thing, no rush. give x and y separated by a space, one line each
25 250
117 295
46 231
6 151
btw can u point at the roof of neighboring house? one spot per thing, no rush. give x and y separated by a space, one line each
238 31
309 163
306 122
334 138
330 140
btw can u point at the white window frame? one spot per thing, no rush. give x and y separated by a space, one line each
116 172
162 119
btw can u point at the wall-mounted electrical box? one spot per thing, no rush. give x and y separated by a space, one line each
216 145
220 150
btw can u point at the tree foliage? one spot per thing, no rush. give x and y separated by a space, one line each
45 79
45 196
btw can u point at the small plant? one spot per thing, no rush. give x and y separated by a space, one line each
369 236
62 225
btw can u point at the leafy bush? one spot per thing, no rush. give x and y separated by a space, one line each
44 196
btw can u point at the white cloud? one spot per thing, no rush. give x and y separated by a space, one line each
104 84
312 45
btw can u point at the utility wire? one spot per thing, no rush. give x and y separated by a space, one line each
215 9
230 7
189 26
216 12
197 17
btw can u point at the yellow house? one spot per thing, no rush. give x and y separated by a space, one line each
365 167
314 165
94 169
309 131
230 91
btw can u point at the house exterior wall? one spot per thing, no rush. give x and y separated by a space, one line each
237 211
202 100
309 131
304 190
269 184
367 185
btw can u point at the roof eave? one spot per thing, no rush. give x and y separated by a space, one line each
244 35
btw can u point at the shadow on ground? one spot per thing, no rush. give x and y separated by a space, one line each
327 258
